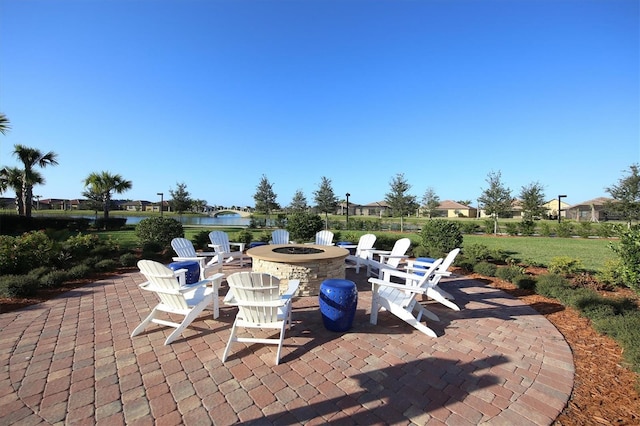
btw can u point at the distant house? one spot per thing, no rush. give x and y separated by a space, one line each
449 208
136 206
552 208
591 210
378 208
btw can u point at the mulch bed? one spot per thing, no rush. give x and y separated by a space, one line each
605 392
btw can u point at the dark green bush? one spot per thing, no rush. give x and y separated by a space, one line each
106 265
564 229
552 285
628 251
509 273
18 285
527 227
465 264
476 252
19 255
91 261
585 230
79 271
485 268
544 229
158 230
511 228
469 227
128 259
525 282
244 236
565 265
303 226
40 271
439 237
611 273
54 279
201 240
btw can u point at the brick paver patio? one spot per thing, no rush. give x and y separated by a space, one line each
71 361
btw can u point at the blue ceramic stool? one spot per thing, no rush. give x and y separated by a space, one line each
257 244
338 301
193 270
423 259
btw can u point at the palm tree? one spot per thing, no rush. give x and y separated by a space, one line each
11 178
105 183
4 124
31 157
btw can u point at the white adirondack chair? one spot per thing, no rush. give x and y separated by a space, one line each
176 297
260 305
280 236
324 238
388 259
415 266
365 245
401 299
220 243
185 251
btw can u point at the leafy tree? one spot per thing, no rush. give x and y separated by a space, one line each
299 202
105 184
180 199
439 237
496 198
264 197
325 199
532 198
430 202
627 196
464 202
303 225
400 202
30 158
628 250
11 177
4 124
198 205
94 200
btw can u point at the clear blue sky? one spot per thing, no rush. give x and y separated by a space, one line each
216 93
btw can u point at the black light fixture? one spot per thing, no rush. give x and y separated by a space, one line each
560 197
348 210
161 194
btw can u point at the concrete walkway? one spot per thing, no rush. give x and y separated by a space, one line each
71 361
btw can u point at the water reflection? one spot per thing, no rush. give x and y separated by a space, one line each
228 220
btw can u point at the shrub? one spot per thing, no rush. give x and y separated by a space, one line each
40 271
80 245
159 230
607 230
524 282
585 230
91 261
476 252
509 273
18 285
201 240
128 259
512 228
54 279
106 265
303 226
488 225
244 236
564 229
628 250
611 273
469 227
565 265
31 250
552 285
527 227
79 271
439 237
465 264
545 229
485 268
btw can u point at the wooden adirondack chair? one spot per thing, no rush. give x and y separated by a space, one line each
388 259
442 270
365 245
401 298
280 236
176 297
220 243
260 305
324 238
185 251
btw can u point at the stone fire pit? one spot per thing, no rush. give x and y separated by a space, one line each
309 263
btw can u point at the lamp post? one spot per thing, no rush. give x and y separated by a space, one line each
161 194
560 197
348 210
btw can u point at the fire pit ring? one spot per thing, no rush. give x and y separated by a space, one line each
309 263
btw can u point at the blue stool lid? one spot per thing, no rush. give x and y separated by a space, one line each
338 283
184 263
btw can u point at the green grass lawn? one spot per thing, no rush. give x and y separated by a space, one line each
593 253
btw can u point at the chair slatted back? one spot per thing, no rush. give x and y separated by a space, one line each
365 242
399 249
255 294
220 240
324 238
165 282
280 236
183 247
406 298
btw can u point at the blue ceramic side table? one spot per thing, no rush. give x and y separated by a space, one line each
338 301
193 270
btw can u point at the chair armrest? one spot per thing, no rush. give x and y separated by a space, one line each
407 276
291 290
378 282
239 245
